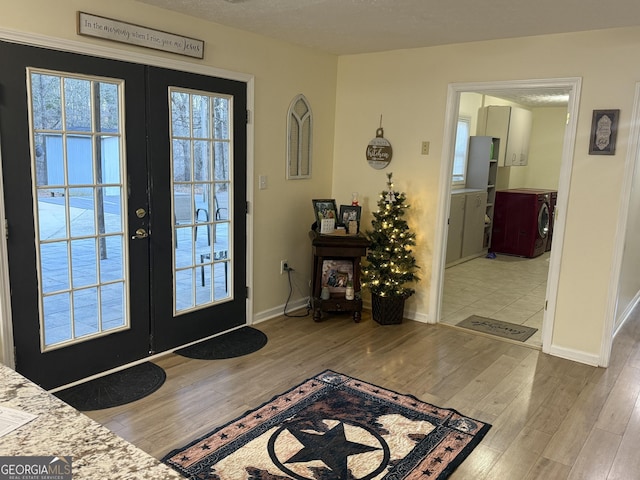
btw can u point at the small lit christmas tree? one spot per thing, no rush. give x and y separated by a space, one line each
390 264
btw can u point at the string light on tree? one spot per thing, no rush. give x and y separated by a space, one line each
390 266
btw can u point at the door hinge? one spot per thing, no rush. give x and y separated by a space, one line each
246 208
248 119
246 292
6 228
546 303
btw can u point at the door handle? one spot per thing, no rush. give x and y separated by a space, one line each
140 234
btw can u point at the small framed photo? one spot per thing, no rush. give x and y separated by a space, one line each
325 209
336 274
350 213
604 130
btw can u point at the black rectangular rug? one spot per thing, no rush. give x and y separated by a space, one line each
497 327
333 426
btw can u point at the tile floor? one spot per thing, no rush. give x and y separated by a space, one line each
506 288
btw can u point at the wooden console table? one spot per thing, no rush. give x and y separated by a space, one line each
347 248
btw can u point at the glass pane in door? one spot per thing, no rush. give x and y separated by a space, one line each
202 186
78 184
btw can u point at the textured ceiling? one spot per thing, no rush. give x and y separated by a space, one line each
542 97
361 26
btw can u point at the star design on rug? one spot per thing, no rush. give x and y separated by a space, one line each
332 448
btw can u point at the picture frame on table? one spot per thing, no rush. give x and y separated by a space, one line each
325 209
336 274
604 131
349 213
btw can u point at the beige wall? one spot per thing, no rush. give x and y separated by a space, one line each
629 284
409 88
469 105
545 150
282 214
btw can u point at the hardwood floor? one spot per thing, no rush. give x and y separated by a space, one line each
552 418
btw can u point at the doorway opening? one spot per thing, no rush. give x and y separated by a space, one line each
544 269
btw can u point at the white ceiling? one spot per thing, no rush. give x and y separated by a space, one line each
362 26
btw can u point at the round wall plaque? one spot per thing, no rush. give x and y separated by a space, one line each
379 151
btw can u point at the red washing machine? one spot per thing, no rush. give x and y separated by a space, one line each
521 222
553 199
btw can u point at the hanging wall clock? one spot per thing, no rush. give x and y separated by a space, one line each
379 151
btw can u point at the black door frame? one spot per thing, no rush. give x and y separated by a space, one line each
167 331
108 351
7 340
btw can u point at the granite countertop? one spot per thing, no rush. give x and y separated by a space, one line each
61 430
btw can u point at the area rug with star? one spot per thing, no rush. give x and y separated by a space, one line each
333 426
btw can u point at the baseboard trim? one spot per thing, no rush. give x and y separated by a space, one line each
574 355
279 310
409 313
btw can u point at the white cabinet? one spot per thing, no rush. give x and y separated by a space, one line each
512 125
482 170
466 224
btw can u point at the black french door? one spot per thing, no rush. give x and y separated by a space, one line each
207 236
125 188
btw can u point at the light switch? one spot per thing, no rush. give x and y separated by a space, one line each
262 182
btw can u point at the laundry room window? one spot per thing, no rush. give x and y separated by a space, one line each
463 129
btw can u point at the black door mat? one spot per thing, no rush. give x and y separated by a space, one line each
236 343
118 388
497 327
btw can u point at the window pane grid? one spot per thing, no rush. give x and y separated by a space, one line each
459 174
79 209
202 186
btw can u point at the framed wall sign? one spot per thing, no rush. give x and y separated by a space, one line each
604 130
115 30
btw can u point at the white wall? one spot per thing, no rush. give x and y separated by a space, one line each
409 89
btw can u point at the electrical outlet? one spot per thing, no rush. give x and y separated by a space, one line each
425 148
284 266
